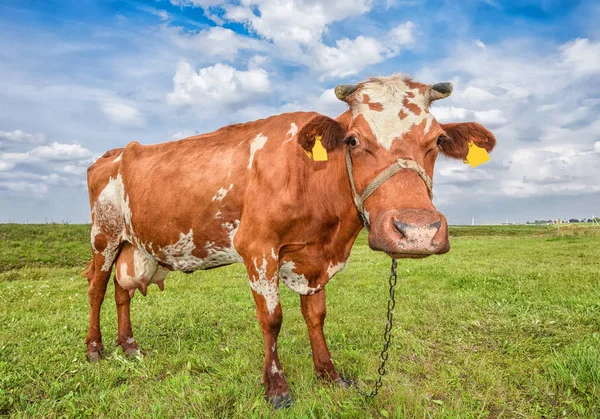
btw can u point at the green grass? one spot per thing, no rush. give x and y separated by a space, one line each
505 325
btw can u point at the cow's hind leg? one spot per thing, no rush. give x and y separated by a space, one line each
98 280
314 311
125 335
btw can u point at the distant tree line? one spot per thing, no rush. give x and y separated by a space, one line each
572 220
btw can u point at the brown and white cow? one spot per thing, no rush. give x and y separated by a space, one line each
251 193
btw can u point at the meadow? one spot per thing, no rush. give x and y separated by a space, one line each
505 325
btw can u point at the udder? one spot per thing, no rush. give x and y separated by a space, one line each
135 270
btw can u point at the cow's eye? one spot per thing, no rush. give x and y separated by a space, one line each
352 141
440 139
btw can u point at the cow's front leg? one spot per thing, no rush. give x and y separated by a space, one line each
314 312
265 289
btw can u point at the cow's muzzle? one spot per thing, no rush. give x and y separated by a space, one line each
410 233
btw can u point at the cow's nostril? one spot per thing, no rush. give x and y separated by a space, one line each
401 227
436 225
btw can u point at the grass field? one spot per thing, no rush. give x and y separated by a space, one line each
505 325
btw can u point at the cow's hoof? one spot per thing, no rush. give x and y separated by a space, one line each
132 353
280 402
93 357
342 382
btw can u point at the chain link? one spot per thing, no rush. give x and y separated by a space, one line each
387 336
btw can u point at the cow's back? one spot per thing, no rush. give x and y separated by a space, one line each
183 200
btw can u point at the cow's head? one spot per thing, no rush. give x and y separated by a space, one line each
389 119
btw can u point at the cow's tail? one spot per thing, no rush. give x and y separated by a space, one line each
89 271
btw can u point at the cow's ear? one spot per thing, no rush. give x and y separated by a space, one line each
458 135
331 132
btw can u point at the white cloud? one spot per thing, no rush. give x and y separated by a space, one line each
123 114
20 136
293 21
479 43
214 42
218 86
491 117
476 95
61 152
4 165
597 147
35 184
552 170
196 3
582 56
458 174
446 114
54 152
349 57
401 36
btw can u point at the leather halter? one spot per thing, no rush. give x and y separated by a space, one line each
380 179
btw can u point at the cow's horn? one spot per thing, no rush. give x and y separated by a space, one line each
343 91
440 91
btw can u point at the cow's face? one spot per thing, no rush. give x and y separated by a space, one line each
388 119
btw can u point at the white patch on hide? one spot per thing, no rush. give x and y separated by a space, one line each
292 132
275 370
273 254
111 216
256 144
386 125
296 282
334 269
265 286
179 255
118 159
221 193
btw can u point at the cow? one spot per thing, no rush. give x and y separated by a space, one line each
286 196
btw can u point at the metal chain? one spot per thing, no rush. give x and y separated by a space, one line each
387 336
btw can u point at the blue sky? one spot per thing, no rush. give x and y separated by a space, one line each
80 77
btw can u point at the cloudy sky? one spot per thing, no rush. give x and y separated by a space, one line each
79 77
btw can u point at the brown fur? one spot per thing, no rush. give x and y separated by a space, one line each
411 107
330 130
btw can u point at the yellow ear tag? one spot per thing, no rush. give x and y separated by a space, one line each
476 155
319 153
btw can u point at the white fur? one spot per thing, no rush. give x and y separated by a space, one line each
221 193
111 215
118 159
292 132
256 144
294 281
275 370
334 269
180 254
386 125
267 287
